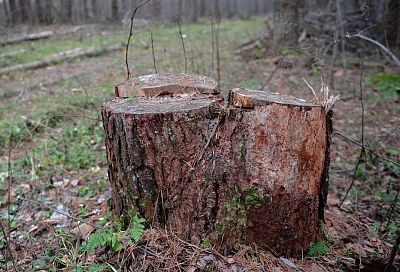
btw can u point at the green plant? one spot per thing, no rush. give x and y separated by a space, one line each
114 237
387 83
317 249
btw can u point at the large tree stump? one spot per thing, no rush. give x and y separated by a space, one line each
254 171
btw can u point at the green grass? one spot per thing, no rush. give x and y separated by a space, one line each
386 83
164 36
43 49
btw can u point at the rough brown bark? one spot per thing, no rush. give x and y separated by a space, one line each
250 172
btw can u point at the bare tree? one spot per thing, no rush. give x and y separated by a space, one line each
286 26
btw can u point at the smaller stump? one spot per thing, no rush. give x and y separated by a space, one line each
252 172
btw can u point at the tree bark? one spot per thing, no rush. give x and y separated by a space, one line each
286 26
252 172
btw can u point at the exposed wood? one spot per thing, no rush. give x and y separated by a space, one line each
221 175
162 84
27 37
64 56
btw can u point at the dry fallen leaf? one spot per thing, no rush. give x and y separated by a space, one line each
83 230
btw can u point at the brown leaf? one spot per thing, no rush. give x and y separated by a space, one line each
83 230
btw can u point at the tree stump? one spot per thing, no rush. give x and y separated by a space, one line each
254 171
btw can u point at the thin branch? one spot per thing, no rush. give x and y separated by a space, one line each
212 44
152 51
365 148
129 38
8 246
353 177
218 20
183 43
362 151
273 72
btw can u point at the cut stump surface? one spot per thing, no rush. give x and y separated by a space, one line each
251 172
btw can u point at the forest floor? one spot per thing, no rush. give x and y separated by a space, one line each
53 168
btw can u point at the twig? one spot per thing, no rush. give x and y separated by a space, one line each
63 213
10 178
362 151
212 44
365 148
86 91
273 72
183 43
152 51
129 38
393 253
8 246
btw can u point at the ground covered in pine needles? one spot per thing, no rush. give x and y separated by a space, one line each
54 191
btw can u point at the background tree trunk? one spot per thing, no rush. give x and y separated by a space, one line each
254 172
286 26
393 24
15 12
114 10
24 11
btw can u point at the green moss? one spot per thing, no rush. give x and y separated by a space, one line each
238 208
193 126
206 244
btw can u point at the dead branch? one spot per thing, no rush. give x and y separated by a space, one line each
64 56
385 49
393 253
130 35
183 44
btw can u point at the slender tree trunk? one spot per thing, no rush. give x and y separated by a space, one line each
194 11
286 23
67 11
24 11
393 24
6 13
156 9
15 12
48 12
